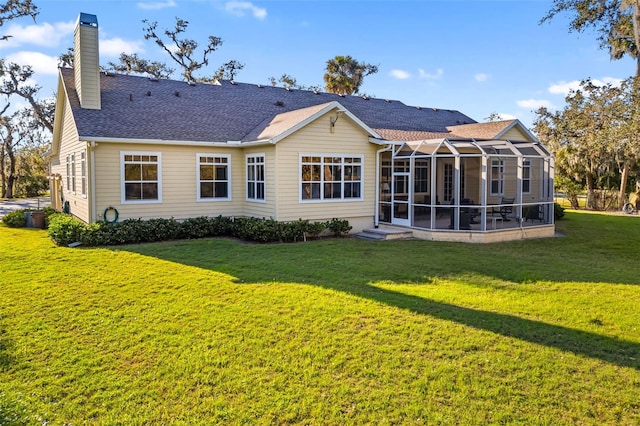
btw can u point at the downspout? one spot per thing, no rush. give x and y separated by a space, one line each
376 209
92 177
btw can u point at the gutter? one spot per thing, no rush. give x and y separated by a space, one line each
227 144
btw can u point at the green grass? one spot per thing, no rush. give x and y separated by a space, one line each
328 332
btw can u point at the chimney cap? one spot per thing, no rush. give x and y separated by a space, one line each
87 20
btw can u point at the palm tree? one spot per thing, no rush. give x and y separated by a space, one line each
344 75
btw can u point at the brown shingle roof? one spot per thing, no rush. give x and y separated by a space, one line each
480 130
410 135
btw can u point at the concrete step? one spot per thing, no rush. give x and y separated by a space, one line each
381 234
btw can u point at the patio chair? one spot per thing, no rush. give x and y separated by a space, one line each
506 210
533 213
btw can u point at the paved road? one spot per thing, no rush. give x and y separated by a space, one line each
7 206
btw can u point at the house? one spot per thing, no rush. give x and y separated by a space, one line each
145 148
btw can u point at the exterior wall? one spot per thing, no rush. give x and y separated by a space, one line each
69 144
255 208
515 134
316 138
179 182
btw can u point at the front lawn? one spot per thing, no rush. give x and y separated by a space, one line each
329 332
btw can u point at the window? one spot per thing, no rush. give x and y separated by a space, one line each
448 182
73 173
255 177
331 177
141 177
213 177
526 176
421 176
83 173
497 177
68 172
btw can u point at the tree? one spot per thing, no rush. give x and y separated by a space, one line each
66 59
617 23
592 136
15 82
229 70
23 142
494 116
287 81
13 9
182 51
344 75
134 64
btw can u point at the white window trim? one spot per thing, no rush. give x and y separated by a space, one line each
73 173
123 194
500 167
264 182
83 173
229 185
322 182
68 172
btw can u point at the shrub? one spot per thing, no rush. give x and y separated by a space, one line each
65 229
15 219
255 229
196 227
338 227
558 211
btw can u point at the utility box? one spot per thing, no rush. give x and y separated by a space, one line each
35 219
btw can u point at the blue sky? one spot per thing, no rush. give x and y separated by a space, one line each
474 56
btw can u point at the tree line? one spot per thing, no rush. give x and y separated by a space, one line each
25 134
595 137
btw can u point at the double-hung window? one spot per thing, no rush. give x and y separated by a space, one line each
255 177
214 177
68 172
83 173
526 176
73 173
329 178
141 177
497 177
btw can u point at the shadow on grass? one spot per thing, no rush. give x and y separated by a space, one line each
357 266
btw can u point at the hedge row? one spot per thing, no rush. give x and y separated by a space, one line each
65 229
16 218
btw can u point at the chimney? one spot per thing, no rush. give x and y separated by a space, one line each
85 61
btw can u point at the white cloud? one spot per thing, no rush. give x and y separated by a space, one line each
156 5
399 74
507 116
563 87
41 63
239 8
46 34
115 46
535 103
439 73
481 77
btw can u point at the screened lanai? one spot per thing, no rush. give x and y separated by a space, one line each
466 185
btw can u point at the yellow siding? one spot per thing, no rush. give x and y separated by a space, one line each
86 72
516 134
348 139
266 209
179 180
69 143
